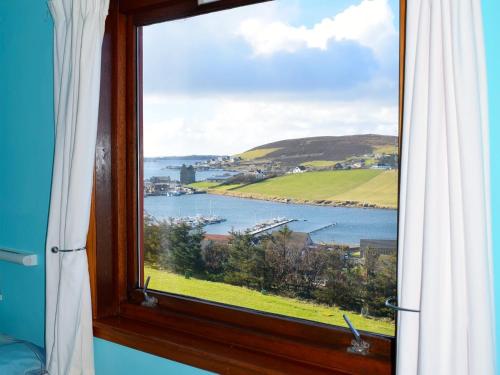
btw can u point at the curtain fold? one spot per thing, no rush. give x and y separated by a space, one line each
78 34
445 266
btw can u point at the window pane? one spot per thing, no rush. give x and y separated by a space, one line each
270 138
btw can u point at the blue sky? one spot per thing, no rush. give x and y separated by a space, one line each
226 82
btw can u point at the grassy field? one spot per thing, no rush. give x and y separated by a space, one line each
381 190
311 185
363 185
319 163
386 150
204 185
239 296
256 154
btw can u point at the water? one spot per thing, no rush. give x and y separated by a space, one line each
158 168
353 224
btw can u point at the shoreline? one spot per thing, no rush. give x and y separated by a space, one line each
319 202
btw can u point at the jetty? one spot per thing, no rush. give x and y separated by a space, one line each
268 225
333 225
198 220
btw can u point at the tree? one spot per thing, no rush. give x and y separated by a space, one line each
276 259
155 241
380 285
185 249
215 259
246 263
311 270
344 283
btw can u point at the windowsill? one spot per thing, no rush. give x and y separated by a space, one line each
245 351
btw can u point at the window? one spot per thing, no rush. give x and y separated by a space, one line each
247 161
271 159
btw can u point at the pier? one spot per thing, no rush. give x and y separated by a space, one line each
264 227
333 225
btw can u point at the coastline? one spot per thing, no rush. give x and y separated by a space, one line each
330 203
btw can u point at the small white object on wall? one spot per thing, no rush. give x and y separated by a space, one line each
26 259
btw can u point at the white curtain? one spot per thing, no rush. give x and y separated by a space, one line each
78 34
445 265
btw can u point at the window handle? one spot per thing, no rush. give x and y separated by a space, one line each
358 345
149 301
391 305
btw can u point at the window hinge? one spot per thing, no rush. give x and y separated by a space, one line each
149 301
358 345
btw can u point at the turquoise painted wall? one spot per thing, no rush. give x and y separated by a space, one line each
491 12
119 360
26 147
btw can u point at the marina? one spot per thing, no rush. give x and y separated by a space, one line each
198 220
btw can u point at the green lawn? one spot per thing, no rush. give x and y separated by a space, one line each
381 190
243 297
312 186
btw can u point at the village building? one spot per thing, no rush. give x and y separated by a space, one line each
187 175
382 247
299 169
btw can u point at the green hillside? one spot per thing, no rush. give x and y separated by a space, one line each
239 296
381 190
311 185
369 186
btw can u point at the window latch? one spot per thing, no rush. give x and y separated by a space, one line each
389 303
149 301
358 345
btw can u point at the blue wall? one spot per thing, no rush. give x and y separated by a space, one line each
491 11
117 359
26 146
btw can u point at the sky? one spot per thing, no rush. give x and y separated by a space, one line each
223 83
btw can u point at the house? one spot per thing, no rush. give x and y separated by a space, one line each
381 167
299 169
297 240
385 247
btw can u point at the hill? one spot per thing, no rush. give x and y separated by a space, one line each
322 149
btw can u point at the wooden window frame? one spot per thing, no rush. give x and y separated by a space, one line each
216 337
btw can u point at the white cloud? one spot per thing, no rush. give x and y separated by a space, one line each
371 24
229 125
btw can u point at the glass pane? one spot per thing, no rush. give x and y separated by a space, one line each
270 138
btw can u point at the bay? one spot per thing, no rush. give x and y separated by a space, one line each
352 224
